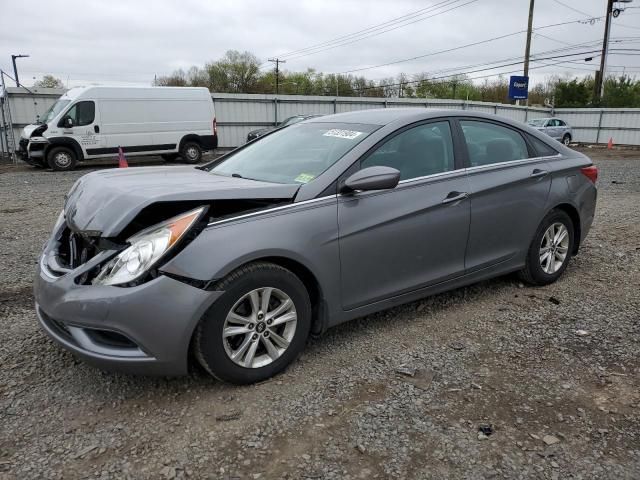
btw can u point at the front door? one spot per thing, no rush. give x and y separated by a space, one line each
508 193
86 126
399 240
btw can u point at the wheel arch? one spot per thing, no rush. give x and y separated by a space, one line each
575 219
68 142
190 137
319 308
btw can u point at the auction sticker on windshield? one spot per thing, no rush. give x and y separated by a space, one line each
304 178
346 134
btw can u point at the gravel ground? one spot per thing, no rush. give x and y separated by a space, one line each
550 375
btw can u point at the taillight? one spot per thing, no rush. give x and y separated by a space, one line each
590 172
215 126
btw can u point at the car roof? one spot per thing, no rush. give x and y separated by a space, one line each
386 116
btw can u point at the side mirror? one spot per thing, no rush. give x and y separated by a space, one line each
372 178
67 122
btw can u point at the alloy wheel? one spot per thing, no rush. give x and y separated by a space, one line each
259 327
554 248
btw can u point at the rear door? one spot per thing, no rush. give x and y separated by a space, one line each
399 240
509 189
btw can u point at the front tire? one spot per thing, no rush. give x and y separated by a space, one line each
550 249
61 159
191 152
566 139
257 327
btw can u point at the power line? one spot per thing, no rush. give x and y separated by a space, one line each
380 32
484 69
574 9
400 19
460 47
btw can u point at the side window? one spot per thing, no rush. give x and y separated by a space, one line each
82 113
423 150
541 148
489 143
560 123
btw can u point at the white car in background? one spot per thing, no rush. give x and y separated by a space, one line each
554 127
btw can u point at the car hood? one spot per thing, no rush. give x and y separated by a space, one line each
104 202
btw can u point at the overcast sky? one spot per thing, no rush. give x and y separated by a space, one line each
84 41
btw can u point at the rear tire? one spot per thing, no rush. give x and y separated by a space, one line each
247 316
61 159
566 139
191 152
550 249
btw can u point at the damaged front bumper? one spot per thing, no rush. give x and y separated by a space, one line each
145 329
32 150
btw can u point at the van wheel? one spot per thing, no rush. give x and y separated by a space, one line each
191 152
61 159
257 327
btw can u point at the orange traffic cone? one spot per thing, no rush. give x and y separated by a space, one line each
610 144
122 161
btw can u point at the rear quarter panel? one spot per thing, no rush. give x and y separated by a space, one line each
570 186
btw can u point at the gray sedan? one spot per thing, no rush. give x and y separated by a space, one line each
554 127
237 263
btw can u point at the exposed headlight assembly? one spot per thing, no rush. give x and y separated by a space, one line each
146 248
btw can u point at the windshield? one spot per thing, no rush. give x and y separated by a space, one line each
538 122
54 110
297 154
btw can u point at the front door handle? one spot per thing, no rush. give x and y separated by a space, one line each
455 197
96 128
537 173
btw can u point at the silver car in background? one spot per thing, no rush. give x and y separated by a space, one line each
235 263
554 127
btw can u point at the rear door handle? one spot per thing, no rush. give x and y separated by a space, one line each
455 197
537 173
96 128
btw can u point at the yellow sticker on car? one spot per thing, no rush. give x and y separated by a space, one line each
304 178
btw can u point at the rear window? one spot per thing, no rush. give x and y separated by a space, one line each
541 148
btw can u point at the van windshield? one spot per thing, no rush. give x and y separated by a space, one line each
296 154
54 110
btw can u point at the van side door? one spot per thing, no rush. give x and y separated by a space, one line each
82 123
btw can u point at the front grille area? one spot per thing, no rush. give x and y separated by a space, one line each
75 250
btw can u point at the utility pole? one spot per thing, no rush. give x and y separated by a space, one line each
603 57
15 69
277 61
527 48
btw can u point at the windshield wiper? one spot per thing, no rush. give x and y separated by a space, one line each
236 175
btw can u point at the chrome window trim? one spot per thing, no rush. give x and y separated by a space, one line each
271 210
522 161
431 176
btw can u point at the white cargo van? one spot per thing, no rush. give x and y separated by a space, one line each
92 122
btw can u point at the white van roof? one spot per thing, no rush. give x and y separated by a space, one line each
121 93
